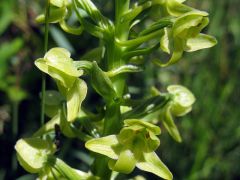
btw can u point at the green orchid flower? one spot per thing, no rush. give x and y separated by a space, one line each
183 100
173 7
36 156
58 64
180 105
133 146
32 153
58 11
185 36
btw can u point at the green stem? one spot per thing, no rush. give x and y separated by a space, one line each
14 132
15 119
114 60
45 50
112 123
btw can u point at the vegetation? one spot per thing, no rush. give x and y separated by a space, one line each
120 91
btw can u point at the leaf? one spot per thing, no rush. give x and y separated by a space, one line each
7 15
94 13
146 107
75 96
16 94
133 13
32 153
152 163
201 41
104 146
162 23
7 50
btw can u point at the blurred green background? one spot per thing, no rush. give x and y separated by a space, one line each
211 132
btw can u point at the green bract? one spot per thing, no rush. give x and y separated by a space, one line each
134 146
102 84
75 96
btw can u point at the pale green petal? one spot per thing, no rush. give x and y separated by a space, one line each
180 1
176 55
201 41
165 41
57 53
125 163
170 125
136 122
152 163
41 64
105 146
32 153
66 67
182 95
188 20
75 96
58 3
56 14
59 58
175 8
65 80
